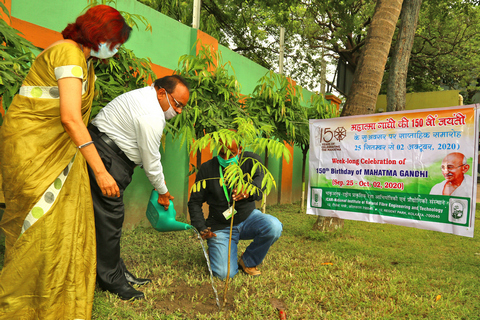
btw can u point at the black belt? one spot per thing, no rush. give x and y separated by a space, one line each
109 142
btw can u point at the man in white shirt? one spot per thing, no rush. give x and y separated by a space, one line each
127 133
456 183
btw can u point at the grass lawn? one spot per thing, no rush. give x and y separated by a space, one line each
364 271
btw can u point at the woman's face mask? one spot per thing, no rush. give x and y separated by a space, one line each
104 51
225 163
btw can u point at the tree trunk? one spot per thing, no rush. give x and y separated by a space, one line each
368 76
371 66
327 224
264 207
304 160
199 159
397 81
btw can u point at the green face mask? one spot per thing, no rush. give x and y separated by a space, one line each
225 163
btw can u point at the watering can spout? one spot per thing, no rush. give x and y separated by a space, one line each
163 220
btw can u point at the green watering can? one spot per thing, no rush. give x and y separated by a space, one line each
163 220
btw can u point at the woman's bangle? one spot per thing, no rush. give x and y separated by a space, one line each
85 144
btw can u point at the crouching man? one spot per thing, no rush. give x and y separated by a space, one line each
248 224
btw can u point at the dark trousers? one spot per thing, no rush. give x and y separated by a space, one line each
109 215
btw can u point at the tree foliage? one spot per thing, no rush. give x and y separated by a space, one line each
248 137
215 99
396 90
445 51
446 48
368 75
276 101
16 56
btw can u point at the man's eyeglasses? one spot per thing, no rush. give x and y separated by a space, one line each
451 167
177 104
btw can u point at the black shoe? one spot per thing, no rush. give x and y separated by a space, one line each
134 280
127 292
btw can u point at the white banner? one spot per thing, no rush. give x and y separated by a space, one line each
411 168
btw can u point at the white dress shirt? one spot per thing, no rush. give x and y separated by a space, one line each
135 122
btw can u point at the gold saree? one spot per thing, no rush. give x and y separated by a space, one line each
50 262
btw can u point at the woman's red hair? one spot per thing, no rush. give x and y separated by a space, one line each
99 24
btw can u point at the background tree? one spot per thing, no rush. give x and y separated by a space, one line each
368 75
397 81
444 55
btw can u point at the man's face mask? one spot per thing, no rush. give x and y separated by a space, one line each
170 113
104 51
225 151
225 163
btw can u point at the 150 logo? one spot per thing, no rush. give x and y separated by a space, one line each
328 134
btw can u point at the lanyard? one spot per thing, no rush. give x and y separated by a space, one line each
223 184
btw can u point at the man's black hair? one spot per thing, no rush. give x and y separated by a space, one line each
169 83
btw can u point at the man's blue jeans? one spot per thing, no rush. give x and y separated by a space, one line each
264 229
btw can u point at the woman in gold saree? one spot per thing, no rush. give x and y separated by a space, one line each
50 260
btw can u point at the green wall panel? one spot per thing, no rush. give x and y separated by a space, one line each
168 40
136 198
275 167
297 174
247 72
175 160
306 96
51 14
